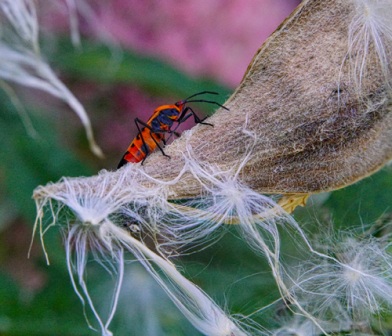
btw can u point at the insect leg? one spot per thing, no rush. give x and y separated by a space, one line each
174 132
187 112
184 116
144 147
137 122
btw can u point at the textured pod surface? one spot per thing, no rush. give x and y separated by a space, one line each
312 110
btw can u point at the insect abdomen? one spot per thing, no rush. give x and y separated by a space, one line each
138 149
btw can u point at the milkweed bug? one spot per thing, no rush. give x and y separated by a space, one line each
152 132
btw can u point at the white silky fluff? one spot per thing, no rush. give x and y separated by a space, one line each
96 204
332 292
197 307
348 286
80 239
105 205
108 245
371 29
22 63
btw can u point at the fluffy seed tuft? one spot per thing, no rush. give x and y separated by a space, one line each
370 38
353 281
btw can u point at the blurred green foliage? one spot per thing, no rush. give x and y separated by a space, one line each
112 65
229 271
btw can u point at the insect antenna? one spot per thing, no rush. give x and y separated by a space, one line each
206 101
201 93
187 100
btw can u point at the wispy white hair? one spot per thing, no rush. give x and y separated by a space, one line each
370 36
22 63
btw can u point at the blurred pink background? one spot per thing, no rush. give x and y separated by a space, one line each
210 38
213 38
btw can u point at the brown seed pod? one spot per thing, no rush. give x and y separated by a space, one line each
316 99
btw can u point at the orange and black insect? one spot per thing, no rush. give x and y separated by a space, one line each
153 132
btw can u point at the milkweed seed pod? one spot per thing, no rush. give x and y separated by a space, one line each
313 109
311 114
